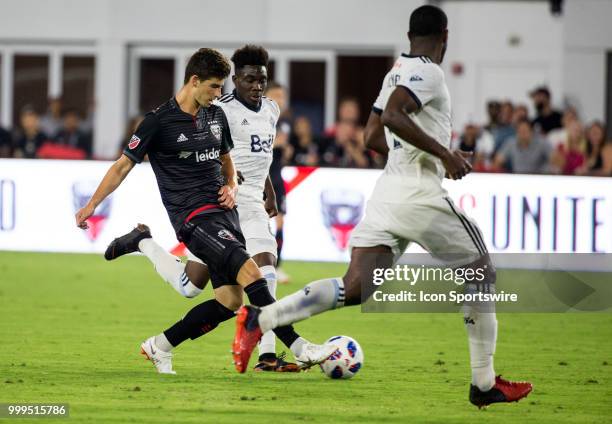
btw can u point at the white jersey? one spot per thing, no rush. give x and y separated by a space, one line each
425 83
253 131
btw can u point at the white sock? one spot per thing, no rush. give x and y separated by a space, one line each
316 297
297 346
169 267
482 334
162 343
267 343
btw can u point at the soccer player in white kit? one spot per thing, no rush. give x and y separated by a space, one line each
411 122
252 120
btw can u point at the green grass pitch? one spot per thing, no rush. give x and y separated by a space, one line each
71 325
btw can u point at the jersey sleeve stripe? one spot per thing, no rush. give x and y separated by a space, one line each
377 110
414 96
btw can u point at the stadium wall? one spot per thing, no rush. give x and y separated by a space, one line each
517 213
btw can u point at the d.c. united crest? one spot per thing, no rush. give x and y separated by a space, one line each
81 193
342 210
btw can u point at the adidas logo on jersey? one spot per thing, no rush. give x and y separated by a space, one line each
245 122
181 138
416 78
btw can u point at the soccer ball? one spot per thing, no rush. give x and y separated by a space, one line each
346 361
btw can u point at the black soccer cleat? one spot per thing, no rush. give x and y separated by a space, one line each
127 243
276 364
502 391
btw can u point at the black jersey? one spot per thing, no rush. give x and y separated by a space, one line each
184 152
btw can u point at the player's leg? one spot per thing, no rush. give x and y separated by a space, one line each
255 286
329 293
279 236
279 220
261 245
445 231
373 247
200 320
187 279
268 361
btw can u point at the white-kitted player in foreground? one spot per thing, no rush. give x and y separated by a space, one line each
411 120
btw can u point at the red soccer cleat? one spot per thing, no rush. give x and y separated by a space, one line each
247 336
502 391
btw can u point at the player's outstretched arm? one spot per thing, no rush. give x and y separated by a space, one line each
227 193
113 178
395 117
374 135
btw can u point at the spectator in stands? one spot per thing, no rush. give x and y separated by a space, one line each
598 152
346 148
570 156
558 136
29 137
51 122
70 142
524 154
481 143
494 111
521 113
348 111
88 123
504 130
6 147
547 118
304 144
130 129
283 150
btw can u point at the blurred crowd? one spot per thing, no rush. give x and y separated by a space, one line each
551 142
60 133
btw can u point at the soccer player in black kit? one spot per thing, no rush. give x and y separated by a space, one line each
188 141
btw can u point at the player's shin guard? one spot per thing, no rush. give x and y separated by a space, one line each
169 267
481 324
259 295
199 320
267 345
316 297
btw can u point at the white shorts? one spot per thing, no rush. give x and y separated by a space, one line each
433 222
255 226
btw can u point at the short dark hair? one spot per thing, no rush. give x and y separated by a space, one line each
206 64
250 54
427 21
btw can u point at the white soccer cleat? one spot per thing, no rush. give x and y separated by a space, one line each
313 354
162 360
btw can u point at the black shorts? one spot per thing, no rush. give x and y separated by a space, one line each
217 240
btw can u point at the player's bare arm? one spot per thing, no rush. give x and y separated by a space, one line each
270 202
396 118
227 193
113 178
374 135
